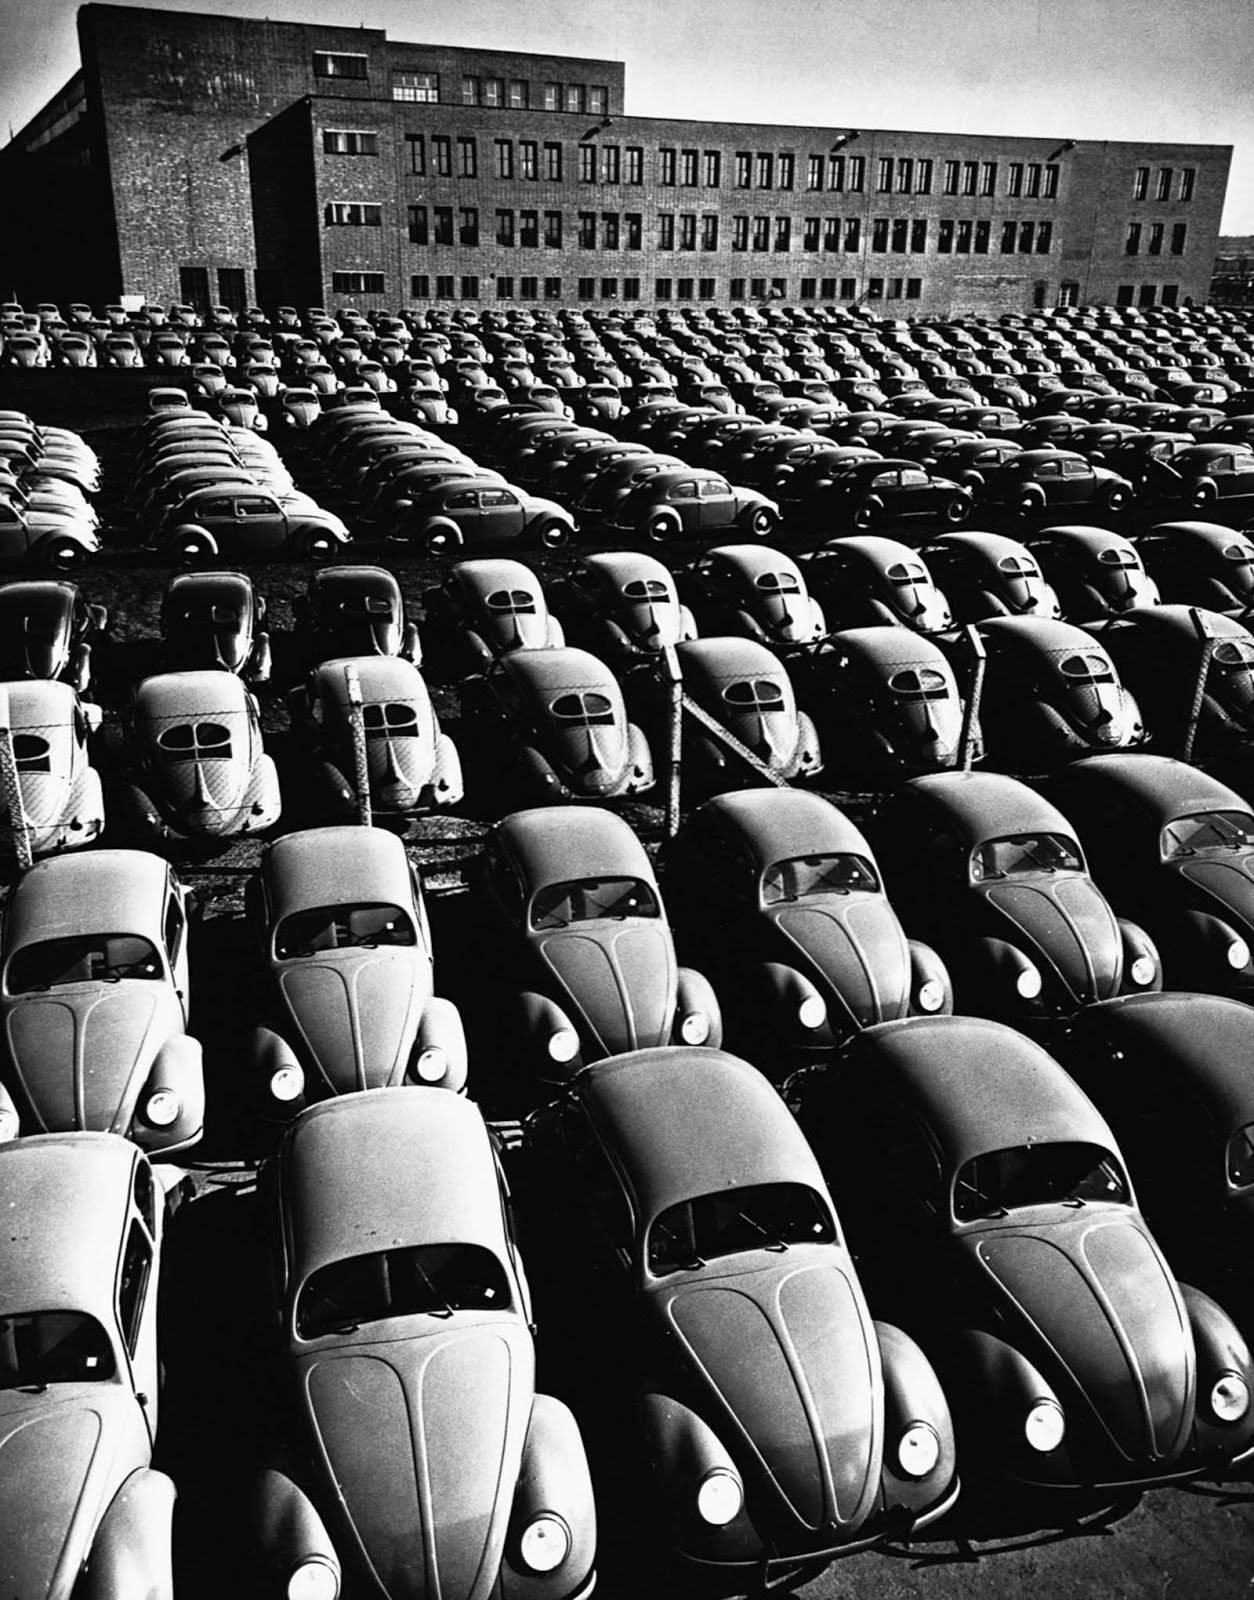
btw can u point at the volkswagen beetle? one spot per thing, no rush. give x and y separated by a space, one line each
623 606
354 611
216 620
1095 573
1201 564
62 803
47 630
865 580
989 575
486 608
755 592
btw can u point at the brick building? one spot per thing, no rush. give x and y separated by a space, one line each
204 158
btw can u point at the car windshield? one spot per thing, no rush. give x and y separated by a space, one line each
1064 1173
1208 831
42 1347
1022 853
82 958
800 876
1241 1157
425 1280
587 899
306 933
764 1216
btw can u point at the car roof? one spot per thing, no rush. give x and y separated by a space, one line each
381 678
886 645
777 824
375 580
486 574
215 583
982 805
387 1167
979 1085
871 547
64 1199
335 866
1162 786
719 658
200 693
558 667
1043 634
71 894
621 566
684 1122
752 560
553 844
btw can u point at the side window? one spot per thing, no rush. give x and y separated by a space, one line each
133 1286
145 1192
175 925
502 882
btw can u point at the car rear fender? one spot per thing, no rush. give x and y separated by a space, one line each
441 1029
927 967
542 1019
131 1551
1137 943
553 1479
289 1529
1221 1352
1212 937
789 990
10 1123
912 1394
694 996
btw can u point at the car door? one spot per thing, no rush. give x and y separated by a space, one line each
684 497
501 514
259 524
716 504
463 506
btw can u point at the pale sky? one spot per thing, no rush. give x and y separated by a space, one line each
1066 69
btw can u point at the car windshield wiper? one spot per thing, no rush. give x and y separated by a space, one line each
772 1239
443 1308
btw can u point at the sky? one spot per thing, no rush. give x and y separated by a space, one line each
1175 70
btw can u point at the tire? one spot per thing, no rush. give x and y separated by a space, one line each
1118 498
439 542
1204 495
760 523
662 527
553 535
1029 502
64 555
316 545
957 510
192 545
866 514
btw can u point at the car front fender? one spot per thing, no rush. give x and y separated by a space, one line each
289 1529
542 1020
685 1450
789 990
179 1067
1211 939
927 967
554 1479
271 1054
1007 965
1221 1353
441 1029
997 1386
1136 945
913 1395
695 996
130 1554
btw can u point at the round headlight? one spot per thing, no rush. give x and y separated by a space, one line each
1044 1426
563 1045
1230 1398
314 1579
1238 953
545 1543
287 1083
1028 984
695 1028
719 1498
8 1124
162 1108
918 1450
432 1064
931 995
812 1012
1143 970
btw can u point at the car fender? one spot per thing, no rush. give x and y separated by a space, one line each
1211 937
271 1053
552 1478
480 654
927 967
131 1552
535 779
262 801
997 1385
1007 964
789 990
809 757
411 644
439 536
684 1450
262 660
639 760
441 1029
749 627
687 624
913 1394
447 785
542 1018
142 813
1221 1352
10 1122
179 1066
694 995
288 1527
1137 943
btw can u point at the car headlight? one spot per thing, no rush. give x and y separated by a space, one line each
1238 954
931 995
432 1064
695 1028
314 1579
287 1084
9 1124
1028 983
1230 1398
563 1045
545 1543
1143 970
162 1107
719 1497
1044 1426
812 1012
918 1450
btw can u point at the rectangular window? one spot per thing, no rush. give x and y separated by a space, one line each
420 287
634 223
1155 245
988 178
783 233
468 225
875 289
814 172
609 288
736 289
684 288
666 230
1014 179
418 225
609 230
764 171
1170 294
1140 191
467 157
705 288
901 235
983 231
586 289
587 230
905 175
1044 237
503 151
827 288
923 178
470 287
634 155
587 163
970 176
740 233
343 142
1027 238
895 288
1164 183
552 97
505 228
1008 231
354 214
666 166
631 288
836 174
443 225
953 172
494 91
853 235
711 169
576 100
1050 188
884 183
419 88
809 288
879 235
1146 296
811 230
611 163
553 230
1179 233
598 99
914 288
1123 294
1033 190
552 288
945 235
504 287
357 282
553 163
661 288
962 244
831 233
1188 178
688 168
519 94
529 229
528 288
442 155
918 235
470 91
528 159
709 230
417 154
786 170
757 288
444 286
744 169
338 64
761 233
855 174
1132 244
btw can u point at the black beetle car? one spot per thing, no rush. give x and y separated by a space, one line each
865 580
215 619
47 630
1201 564
1095 573
990 575
354 611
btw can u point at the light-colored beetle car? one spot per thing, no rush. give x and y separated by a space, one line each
429 1462
485 608
82 1510
623 606
340 917
61 799
198 768
94 1001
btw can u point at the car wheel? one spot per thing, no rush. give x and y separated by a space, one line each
760 523
1029 501
1117 498
65 555
438 542
866 514
553 535
191 545
317 545
1204 494
662 527
957 510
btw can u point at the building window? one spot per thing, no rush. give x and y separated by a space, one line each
836 173
970 174
1164 183
420 287
757 288
576 98
684 288
1171 294
587 163
519 94
855 174
1123 294
914 288
635 164
1044 237
1068 294
875 289
552 288
552 97
587 230
417 224
529 229
504 287
711 169
609 230
945 235
357 282
553 163
783 233
983 231
339 64
443 233
1033 189
666 230
444 286
503 151
923 178
831 233
417 154
468 225
853 235
1155 245
505 228
761 233
598 99
666 166
962 244
631 288
470 287
905 174
609 288
528 288
953 170
553 230
1146 296
884 184
1188 178
1050 189
420 88
810 234
467 157
786 170
901 235
634 223
611 163
1014 179
736 289
586 289
1140 190
814 172
470 91
709 230
988 178
1027 238
1008 231
1132 244
1179 234
342 142
494 91
827 288
442 155
808 288
354 214
705 288
764 171
895 288
688 168
879 235
744 169
740 233
528 159
662 289
918 235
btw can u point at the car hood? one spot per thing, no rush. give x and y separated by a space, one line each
356 1014
855 951
786 1362
421 1442
206 795
60 1463
590 757
1228 882
528 630
773 736
787 618
1100 1314
1068 928
194 646
620 983
82 1057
